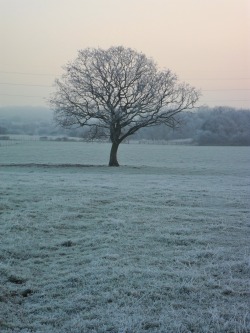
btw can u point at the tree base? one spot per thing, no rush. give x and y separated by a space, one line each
114 164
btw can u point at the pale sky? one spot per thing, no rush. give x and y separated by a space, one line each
205 42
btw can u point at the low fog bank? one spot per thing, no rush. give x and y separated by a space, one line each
206 126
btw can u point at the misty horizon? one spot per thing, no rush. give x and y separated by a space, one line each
205 43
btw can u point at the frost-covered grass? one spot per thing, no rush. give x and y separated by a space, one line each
158 245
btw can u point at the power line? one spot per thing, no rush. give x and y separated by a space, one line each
198 79
220 79
28 73
49 86
25 84
225 89
227 100
21 95
211 101
230 100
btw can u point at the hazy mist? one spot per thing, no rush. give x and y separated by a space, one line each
206 43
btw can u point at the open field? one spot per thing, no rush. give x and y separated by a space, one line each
160 244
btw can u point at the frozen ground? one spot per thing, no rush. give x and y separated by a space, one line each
158 245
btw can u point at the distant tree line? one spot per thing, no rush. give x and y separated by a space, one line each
206 126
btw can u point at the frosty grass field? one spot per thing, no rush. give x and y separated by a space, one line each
157 245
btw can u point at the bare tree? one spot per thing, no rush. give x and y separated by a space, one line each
116 92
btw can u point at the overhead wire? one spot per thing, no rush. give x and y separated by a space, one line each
53 75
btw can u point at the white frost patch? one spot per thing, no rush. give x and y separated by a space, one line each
156 248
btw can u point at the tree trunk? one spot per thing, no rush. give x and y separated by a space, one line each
113 155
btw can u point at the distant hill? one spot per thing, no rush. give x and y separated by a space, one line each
26 113
207 126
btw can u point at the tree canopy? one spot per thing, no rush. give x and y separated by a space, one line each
116 92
